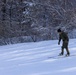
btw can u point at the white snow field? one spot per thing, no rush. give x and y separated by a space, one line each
35 59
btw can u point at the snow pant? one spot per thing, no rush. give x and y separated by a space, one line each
65 46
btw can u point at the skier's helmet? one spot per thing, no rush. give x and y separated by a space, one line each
59 30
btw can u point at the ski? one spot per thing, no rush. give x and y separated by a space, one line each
63 56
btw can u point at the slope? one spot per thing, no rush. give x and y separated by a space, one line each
33 59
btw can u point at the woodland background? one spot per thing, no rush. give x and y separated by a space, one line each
36 20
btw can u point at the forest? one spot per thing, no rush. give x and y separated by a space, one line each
36 20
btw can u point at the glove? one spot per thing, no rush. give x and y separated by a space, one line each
58 43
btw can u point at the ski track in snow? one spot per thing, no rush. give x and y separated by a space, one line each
33 59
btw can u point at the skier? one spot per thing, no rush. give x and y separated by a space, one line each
63 36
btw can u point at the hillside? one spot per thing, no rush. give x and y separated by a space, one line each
33 59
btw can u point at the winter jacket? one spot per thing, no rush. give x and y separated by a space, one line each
63 36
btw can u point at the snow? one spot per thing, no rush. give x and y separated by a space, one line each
30 3
33 59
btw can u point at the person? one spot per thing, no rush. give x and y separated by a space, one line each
64 37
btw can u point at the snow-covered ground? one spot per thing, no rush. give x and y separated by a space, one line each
35 59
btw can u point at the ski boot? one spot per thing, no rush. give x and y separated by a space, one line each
68 54
60 54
